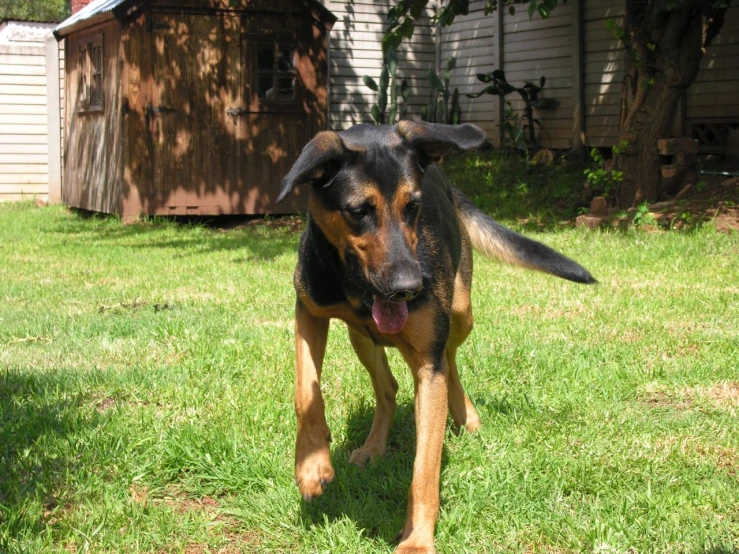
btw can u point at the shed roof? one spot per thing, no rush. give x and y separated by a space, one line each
100 10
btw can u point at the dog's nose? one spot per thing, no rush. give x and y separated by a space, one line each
405 288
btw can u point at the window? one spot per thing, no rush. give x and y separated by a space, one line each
276 72
90 65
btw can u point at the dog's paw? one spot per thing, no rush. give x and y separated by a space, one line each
362 456
313 474
415 548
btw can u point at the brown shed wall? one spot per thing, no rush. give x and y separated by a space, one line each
195 137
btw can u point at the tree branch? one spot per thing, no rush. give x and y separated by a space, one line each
715 22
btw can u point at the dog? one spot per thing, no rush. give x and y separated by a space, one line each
387 248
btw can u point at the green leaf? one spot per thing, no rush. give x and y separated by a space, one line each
406 28
541 82
512 10
543 11
382 100
451 63
532 9
384 79
404 91
370 82
435 80
376 114
485 77
546 104
499 75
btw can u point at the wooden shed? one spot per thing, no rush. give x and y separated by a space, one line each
177 107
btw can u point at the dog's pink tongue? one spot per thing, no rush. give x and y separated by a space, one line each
390 317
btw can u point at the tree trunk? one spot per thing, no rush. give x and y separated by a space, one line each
664 48
639 159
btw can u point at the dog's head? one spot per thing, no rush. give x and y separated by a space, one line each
366 199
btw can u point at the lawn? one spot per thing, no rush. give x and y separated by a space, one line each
146 377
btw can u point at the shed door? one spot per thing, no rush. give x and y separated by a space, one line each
196 76
276 119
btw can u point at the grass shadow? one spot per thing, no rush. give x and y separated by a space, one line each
259 238
37 416
375 497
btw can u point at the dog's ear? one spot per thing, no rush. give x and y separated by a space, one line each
318 157
434 139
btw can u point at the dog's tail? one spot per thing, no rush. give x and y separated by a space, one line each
492 239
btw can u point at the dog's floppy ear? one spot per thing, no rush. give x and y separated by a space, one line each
435 139
314 161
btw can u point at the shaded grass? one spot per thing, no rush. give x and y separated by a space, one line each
164 421
505 185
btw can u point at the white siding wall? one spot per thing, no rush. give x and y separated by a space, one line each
23 135
715 93
356 50
471 40
604 71
533 48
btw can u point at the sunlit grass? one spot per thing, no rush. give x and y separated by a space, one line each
146 398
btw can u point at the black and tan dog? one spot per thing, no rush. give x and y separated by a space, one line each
388 249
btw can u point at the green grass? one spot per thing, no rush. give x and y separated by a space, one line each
506 185
146 399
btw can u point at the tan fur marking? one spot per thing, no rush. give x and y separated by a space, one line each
313 470
423 498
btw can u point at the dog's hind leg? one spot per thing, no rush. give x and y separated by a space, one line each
462 410
373 358
460 406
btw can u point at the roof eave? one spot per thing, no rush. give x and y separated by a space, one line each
94 20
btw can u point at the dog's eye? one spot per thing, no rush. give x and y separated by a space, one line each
411 209
359 212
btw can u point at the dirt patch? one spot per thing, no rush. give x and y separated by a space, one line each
232 539
722 457
292 223
719 396
139 494
713 200
105 404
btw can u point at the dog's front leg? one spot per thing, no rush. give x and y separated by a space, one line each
313 470
430 381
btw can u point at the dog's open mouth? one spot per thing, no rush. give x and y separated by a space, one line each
389 316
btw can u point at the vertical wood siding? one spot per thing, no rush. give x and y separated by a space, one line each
356 50
23 134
